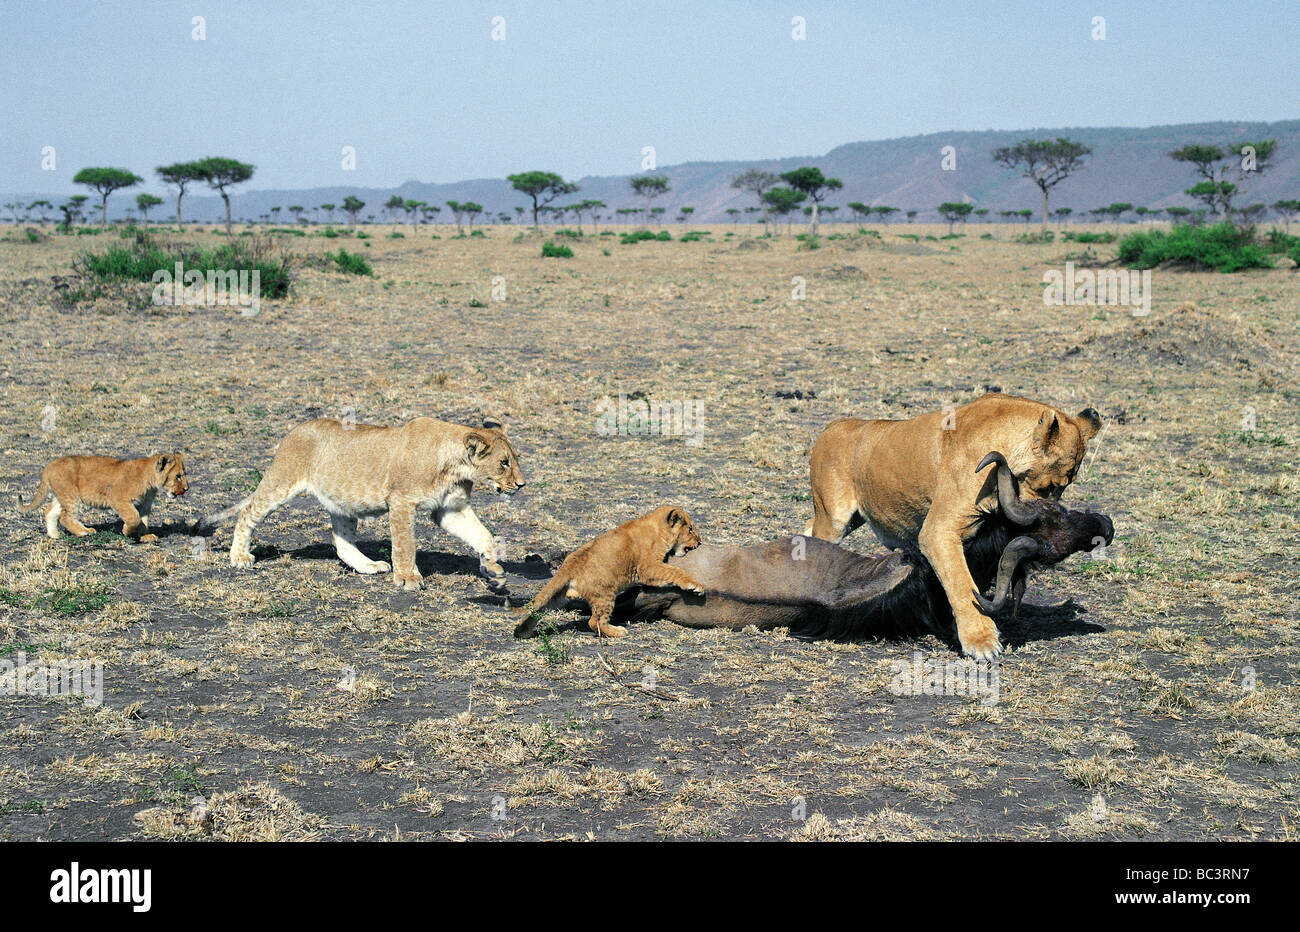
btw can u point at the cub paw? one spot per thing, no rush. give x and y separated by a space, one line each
376 566
241 558
148 538
607 630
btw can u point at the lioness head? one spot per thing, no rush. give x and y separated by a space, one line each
682 535
492 455
1058 444
171 474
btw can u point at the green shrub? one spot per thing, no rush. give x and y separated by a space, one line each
396 235
139 262
1035 238
1088 237
1222 246
478 233
1279 242
329 233
555 251
641 236
1295 256
571 234
351 262
693 237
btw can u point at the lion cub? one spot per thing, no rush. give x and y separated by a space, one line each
631 554
126 486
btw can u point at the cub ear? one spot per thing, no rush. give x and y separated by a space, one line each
477 445
1048 431
163 462
492 423
1089 422
675 517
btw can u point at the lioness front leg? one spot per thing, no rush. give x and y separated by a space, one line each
401 520
941 543
345 535
664 574
465 525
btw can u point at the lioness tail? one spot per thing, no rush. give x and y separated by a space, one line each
221 517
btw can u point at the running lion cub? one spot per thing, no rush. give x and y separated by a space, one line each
362 470
126 486
631 554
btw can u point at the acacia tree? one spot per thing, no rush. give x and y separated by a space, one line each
352 206
329 212
649 187
471 210
43 208
393 205
884 212
541 187
783 201
220 173
1045 162
105 181
72 210
814 186
593 207
757 182
1216 166
860 210
1287 209
952 211
146 203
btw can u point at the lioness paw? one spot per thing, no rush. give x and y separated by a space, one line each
409 581
982 644
241 558
148 538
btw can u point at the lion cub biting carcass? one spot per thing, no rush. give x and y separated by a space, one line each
631 554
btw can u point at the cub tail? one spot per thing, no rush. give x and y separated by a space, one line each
552 594
42 492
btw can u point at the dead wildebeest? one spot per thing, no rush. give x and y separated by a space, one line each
819 590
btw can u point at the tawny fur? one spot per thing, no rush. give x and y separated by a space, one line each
632 554
126 486
914 482
360 470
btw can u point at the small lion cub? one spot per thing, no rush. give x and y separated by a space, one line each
631 554
126 486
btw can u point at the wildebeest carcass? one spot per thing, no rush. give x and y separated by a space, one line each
820 590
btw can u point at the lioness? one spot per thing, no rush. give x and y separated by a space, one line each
631 554
361 470
126 486
915 482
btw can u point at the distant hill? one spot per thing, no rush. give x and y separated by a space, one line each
1127 164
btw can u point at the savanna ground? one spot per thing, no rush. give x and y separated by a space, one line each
301 700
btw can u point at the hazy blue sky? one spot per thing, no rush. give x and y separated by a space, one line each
421 90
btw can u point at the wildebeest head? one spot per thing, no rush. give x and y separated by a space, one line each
1046 533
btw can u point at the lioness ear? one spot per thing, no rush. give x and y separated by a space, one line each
492 423
1089 422
477 445
1047 432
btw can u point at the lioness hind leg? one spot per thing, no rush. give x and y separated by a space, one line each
345 535
269 496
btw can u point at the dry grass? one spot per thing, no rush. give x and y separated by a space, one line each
300 700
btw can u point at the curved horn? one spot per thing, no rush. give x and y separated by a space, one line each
1018 550
1008 491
